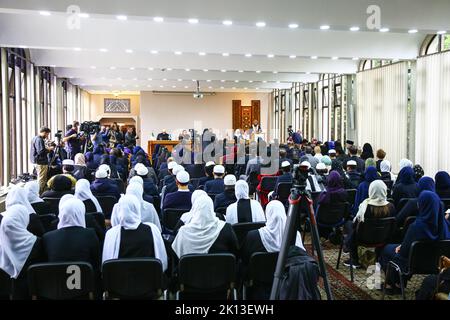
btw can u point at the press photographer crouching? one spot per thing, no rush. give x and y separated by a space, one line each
39 156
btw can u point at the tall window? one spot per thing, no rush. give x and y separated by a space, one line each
435 44
305 126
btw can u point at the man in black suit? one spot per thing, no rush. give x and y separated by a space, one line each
163 135
227 197
353 151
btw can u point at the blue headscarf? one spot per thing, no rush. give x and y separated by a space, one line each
120 146
430 222
371 175
98 150
406 176
426 184
330 145
442 180
362 192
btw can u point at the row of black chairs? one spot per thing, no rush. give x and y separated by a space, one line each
206 276
106 202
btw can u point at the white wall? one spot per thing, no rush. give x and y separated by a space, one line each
178 112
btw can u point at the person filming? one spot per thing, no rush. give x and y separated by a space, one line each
38 156
73 140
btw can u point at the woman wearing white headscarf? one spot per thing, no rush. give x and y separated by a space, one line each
18 248
72 241
136 179
38 204
131 238
187 216
244 209
84 193
18 195
405 163
205 233
80 167
375 206
148 211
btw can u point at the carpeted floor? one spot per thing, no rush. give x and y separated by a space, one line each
363 286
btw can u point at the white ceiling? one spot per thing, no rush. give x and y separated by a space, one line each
52 43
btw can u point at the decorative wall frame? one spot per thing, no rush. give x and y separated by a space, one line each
117 105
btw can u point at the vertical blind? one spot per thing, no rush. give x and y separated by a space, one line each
433 113
382 110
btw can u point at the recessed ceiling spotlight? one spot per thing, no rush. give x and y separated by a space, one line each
77 49
187 70
129 51
179 80
248 55
260 24
354 29
186 87
178 53
193 21
223 70
355 58
264 81
121 17
164 79
225 54
442 32
174 87
293 26
83 15
270 55
112 68
202 54
292 56
103 50
161 86
222 80
150 69
250 81
222 87
245 88
257 88
210 87
169 69
234 88
384 30
131 68
314 57
325 27
93 67
45 13
149 79
240 71
158 19
278 81
227 22
334 58
149 86
308 72
205 70
413 31
275 72
236 81
258 71
208 80
154 52
134 79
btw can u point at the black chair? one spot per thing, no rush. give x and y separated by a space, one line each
53 203
241 229
107 203
120 185
283 191
170 218
221 213
253 182
373 233
49 221
402 203
268 184
409 221
446 202
424 258
212 196
61 281
207 276
259 276
98 217
351 194
140 278
5 285
195 182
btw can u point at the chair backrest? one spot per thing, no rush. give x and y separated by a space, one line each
241 229
207 274
53 203
196 170
170 217
332 215
424 256
446 202
262 268
351 194
402 203
107 203
268 183
212 196
5 285
99 218
195 182
132 278
221 210
61 280
283 190
252 181
375 231
409 221
120 185
49 221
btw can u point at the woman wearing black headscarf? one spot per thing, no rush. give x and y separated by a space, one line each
405 186
367 152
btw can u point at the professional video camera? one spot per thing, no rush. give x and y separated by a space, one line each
300 177
90 127
58 134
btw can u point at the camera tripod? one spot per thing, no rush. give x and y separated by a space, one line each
299 198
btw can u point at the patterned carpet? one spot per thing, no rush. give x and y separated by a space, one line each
341 286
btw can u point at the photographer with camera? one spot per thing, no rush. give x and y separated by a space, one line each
130 137
38 156
73 141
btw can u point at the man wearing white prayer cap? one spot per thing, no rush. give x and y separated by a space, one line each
216 186
352 173
311 182
209 174
180 199
172 186
103 186
285 177
227 197
150 188
68 166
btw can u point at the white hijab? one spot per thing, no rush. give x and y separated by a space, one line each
80 160
200 233
187 216
83 192
241 190
148 211
18 195
72 213
16 242
377 197
136 179
32 189
385 166
128 216
272 234
405 163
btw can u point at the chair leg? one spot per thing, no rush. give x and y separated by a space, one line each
339 255
177 296
352 278
244 292
402 287
386 275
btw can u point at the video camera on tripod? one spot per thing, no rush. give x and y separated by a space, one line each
90 127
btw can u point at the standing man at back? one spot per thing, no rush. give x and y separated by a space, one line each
38 156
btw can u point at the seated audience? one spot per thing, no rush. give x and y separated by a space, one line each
129 237
148 211
362 192
180 199
244 209
418 172
216 186
385 172
150 189
68 169
353 175
209 174
187 216
84 193
18 248
285 177
353 152
61 186
227 197
38 204
381 154
405 186
442 184
103 186
80 168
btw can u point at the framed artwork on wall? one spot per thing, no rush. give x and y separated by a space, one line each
117 105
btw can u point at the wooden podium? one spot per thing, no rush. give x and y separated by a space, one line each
169 144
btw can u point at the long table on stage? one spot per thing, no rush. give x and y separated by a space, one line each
169 144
